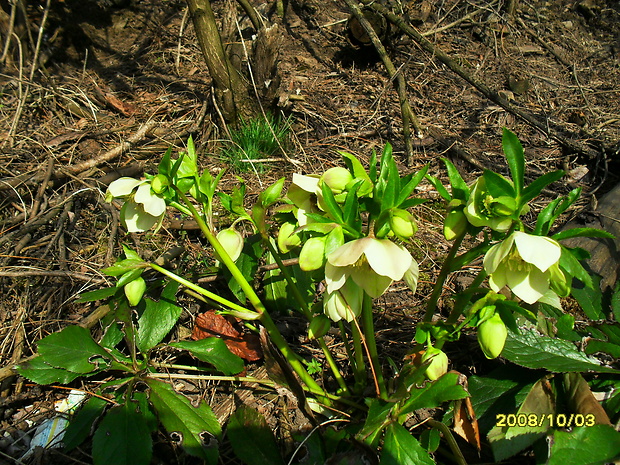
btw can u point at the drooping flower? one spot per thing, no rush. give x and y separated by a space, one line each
483 209
302 193
492 334
526 264
438 365
344 302
373 264
142 209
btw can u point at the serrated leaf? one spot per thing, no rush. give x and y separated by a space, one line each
37 371
158 318
590 298
190 423
435 393
572 266
459 187
252 439
514 156
81 425
123 267
615 302
376 420
99 294
401 448
73 349
213 350
122 438
585 445
581 400
532 350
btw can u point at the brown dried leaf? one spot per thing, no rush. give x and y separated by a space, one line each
126 109
465 422
581 400
210 324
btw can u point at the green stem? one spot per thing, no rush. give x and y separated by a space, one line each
307 313
264 318
458 455
359 368
368 328
441 279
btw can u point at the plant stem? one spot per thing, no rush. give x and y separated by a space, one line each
371 346
441 279
359 368
458 455
263 317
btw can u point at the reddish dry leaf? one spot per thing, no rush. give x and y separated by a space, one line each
466 423
126 109
245 345
581 400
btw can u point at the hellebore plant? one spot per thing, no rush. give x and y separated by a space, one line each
332 243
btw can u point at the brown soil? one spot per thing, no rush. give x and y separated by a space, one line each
109 73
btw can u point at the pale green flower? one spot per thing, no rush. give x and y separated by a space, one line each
344 302
483 209
302 193
526 264
142 209
372 263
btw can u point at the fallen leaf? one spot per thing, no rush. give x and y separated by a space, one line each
581 400
245 345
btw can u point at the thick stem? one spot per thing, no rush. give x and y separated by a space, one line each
441 279
359 367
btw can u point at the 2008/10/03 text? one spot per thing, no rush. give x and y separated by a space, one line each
558 420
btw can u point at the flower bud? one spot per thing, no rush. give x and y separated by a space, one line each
402 223
159 183
287 240
492 335
319 325
439 363
454 225
336 179
135 290
232 241
312 255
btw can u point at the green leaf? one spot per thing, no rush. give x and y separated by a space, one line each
553 210
590 298
435 393
376 420
73 349
37 371
122 267
532 350
585 445
499 392
99 294
81 424
535 188
441 190
508 438
498 185
408 188
351 206
401 448
615 302
130 276
122 438
460 190
247 264
165 165
582 232
213 350
270 195
190 423
158 318
573 267
516 160
278 294
252 439
331 205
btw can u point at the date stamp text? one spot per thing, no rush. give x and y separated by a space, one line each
552 420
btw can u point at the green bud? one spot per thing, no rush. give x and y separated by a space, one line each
135 290
312 255
336 179
492 335
319 325
402 223
439 363
232 241
159 184
287 240
454 225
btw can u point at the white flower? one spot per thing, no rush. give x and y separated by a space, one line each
302 193
372 263
526 264
142 209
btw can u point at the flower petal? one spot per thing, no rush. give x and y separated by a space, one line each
387 258
123 186
540 251
374 284
335 277
496 254
529 285
498 279
135 218
411 276
153 204
350 252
